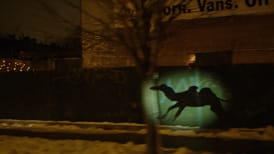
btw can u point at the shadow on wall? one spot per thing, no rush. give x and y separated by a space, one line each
95 95
191 97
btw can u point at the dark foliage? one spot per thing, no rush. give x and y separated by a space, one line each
24 47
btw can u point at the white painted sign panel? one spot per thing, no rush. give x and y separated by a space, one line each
219 8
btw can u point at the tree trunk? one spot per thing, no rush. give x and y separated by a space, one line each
150 108
153 139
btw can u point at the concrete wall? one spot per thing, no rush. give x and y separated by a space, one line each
250 39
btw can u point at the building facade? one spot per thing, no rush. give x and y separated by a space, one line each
241 30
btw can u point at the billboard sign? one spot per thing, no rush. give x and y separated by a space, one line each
194 9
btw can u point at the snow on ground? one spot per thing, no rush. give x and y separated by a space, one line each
26 145
35 145
263 134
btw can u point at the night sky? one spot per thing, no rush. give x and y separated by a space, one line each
45 20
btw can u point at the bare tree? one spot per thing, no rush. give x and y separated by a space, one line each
138 27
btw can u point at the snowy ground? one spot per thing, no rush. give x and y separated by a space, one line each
235 138
263 134
26 145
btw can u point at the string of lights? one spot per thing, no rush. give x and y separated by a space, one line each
12 65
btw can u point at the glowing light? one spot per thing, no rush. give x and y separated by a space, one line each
180 81
192 59
13 66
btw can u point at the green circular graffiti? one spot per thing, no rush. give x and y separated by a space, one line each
180 81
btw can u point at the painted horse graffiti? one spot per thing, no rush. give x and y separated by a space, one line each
191 97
